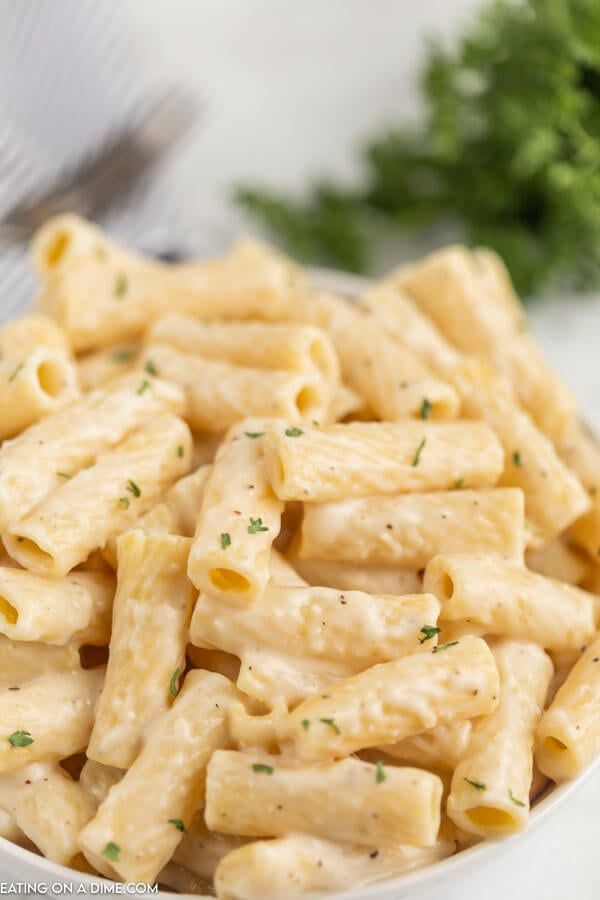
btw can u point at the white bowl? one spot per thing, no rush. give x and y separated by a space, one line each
19 865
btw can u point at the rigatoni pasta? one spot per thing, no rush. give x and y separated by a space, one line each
314 464
490 787
262 796
504 598
153 605
238 520
108 496
348 544
407 530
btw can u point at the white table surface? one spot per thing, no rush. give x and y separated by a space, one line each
292 89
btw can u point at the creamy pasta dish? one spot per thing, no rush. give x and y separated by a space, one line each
296 593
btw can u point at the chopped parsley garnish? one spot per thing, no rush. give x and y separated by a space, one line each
256 525
20 739
133 488
15 372
306 724
260 767
150 367
64 475
225 540
444 646
174 682
459 483
178 825
427 632
124 501
122 356
514 799
143 386
426 407
332 724
254 434
180 451
379 772
478 785
419 450
121 285
517 459
293 432
111 851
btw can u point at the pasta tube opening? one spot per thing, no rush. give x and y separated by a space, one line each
56 249
229 580
492 817
8 612
309 401
50 377
30 554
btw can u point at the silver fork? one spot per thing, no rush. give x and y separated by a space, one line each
109 177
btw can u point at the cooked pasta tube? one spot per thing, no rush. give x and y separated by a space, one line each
557 559
504 598
153 605
283 574
34 387
9 830
408 530
391 378
497 285
585 532
580 449
490 788
49 807
281 680
219 393
400 318
22 336
341 461
252 282
50 452
22 661
257 345
185 498
300 865
394 700
238 521
449 286
108 497
264 796
554 497
134 833
161 518
47 719
201 850
541 392
66 238
54 611
357 577
97 779
317 623
568 735
345 402
96 369
440 748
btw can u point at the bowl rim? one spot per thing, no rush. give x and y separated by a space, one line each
551 798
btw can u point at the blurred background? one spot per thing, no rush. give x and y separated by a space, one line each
279 94
286 94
